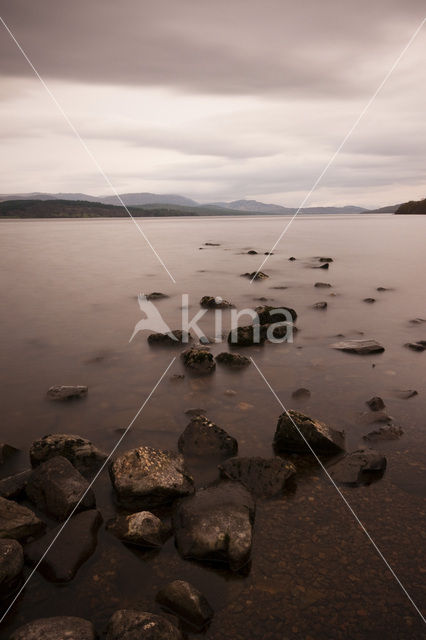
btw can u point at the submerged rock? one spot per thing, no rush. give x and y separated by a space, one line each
82 453
247 336
156 295
417 320
199 360
204 438
127 624
359 467
389 432
321 266
212 244
175 337
361 347
270 315
255 276
57 628
146 477
210 302
320 305
405 394
369 300
232 359
301 394
143 529
416 346
216 524
322 285
187 602
376 403
264 477
11 565
325 259
67 392
322 438
13 487
75 545
18 522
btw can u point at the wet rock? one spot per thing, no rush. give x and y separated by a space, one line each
232 359
211 302
156 295
405 394
321 266
11 565
212 244
292 258
199 360
359 467
175 337
13 487
320 305
322 438
18 522
57 628
268 253
146 477
255 276
369 300
325 259
252 252
204 438
67 392
6 451
75 545
301 394
361 347
142 529
82 453
216 524
322 285
247 336
376 403
416 346
56 487
263 477
389 432
127 624
186 602
270 315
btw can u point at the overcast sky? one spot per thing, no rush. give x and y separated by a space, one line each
215 100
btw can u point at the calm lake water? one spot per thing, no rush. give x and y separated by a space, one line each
69 307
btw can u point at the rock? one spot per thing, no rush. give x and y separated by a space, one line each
67 392
175 337
268 253
127 624
369 300
146 477
232 359
322 285
203 438
56 487
321 266
11 565
325 259
155 295
142 529
247 336
270 315
195 412
320 305
255 276
376 403
199 359
18 522
358 467
6 451
263 477
212 244
13 487
82 453
417 321
177 377
405 394
383 289
58 628
377 416
216 524
75 545
416 346
301 394
252 252
292 258
186 602
359 346
389 432
210 302
322 438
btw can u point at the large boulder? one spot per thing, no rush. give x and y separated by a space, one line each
186 602
146 477
264 477
56 487
11 565
216 524
82 453
18 522
13 487
270 315
204 438
76 543
361 347
127 624
67 392
359 467
199 360
142 529
322 438
57 628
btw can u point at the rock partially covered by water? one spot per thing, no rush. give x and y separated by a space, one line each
247 336
263 477
270 315
359 467
13 487
320 305
58 628
156 295
18 522
322 438
186 602
232 359
301 394
375 403
75 545
67 392
416 346
211 302
255 276
173 338
11 565
127 624
82 453
204 438
146 477
388 432
216 524
56 487
362 347
199 360
322 285
142 529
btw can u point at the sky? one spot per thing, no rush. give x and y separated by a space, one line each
216 101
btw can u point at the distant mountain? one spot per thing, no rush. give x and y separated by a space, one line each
391 208
414 207
261 207
136 199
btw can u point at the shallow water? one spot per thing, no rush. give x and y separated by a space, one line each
69 292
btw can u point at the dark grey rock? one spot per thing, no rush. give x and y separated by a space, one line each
211 302
325 259
320 305
369 300
322 438
301 394
199 360
405 394
56 487
175 337
255 276
82 453
376 403
388 432
322 285
6 451
416 346
177 377
417 320
11 565
359 467
146 477
18 522
67 392
361 347
216 524
247 336
75 545
156 295
13 487
270 315
127 624
232 359
142 529
58 628
321 266
204 438
292 258
252 252
263 477
187 602
212 244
